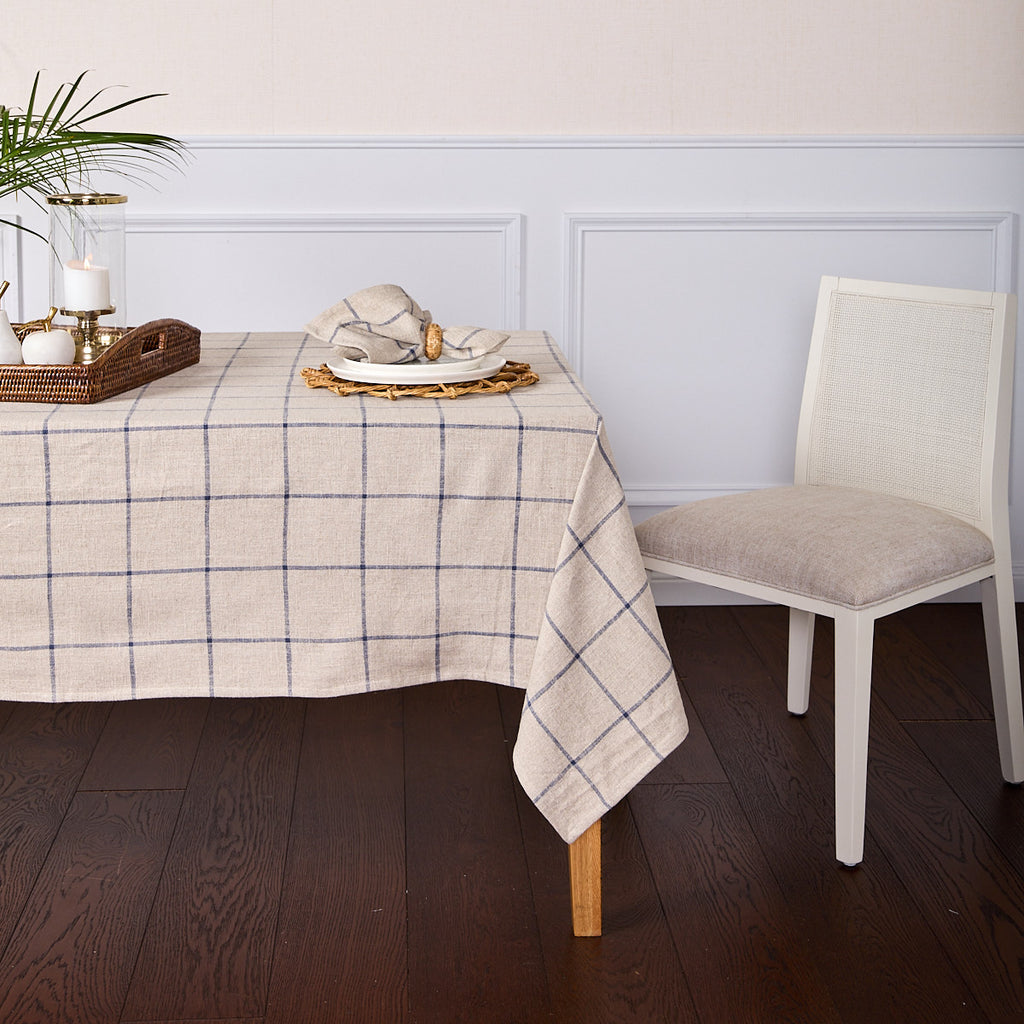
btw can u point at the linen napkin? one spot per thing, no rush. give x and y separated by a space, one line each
382 324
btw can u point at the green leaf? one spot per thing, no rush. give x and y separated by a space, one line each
49 152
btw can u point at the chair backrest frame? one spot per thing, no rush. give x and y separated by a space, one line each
859 328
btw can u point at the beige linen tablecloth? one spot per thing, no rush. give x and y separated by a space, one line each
227 531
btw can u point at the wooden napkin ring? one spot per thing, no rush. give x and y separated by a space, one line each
433 341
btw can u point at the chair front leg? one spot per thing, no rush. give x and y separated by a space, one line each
1004 672
854 644
801 646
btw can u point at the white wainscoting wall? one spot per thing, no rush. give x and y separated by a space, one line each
678 274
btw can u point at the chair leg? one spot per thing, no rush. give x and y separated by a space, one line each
1004 672
801 645
854 644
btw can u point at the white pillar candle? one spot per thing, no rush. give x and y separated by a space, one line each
86 287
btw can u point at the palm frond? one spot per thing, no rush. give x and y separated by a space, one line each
49 152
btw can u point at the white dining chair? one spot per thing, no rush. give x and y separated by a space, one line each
900 495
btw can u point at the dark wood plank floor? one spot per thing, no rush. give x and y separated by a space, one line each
372 858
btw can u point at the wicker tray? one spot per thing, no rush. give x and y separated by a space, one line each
140 355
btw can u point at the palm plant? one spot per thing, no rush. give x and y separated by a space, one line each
56 149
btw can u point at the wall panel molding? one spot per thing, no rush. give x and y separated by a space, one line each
10 269
605 142
579 227
506 227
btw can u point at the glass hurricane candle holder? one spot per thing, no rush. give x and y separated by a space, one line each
87 266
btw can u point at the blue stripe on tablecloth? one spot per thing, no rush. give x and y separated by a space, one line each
51 626
293 567
439 534
514 582
158 428
605 454
206 510
129 608
285 509
559 358
580 547
362 546
581 543
521 499
256 640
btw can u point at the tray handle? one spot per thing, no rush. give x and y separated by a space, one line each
146 342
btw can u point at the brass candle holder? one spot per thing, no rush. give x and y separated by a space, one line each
91 339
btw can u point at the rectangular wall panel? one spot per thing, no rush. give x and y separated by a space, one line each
258 272
691 331
10 246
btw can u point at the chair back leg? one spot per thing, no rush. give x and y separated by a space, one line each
1004 671
854 644
801 646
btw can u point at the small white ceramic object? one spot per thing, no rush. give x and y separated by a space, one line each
56 346
10 347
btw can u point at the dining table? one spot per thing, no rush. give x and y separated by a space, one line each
228 530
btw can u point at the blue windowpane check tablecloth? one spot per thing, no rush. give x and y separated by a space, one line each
227 531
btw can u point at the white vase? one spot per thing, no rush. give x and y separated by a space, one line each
10 347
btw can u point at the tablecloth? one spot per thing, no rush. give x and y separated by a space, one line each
227 531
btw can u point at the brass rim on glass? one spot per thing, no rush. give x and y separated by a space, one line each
86 199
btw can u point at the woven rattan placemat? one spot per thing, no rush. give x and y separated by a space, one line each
513 375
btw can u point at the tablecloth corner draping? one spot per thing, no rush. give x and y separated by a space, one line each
601 652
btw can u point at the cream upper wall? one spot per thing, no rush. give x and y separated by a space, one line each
535 67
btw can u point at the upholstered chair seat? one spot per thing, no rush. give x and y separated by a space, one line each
843 545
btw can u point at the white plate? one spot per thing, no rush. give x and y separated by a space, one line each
438 371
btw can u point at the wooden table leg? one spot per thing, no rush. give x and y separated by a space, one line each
585 881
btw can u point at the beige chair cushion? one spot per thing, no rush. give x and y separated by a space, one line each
849 547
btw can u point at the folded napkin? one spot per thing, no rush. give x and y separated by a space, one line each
383 324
